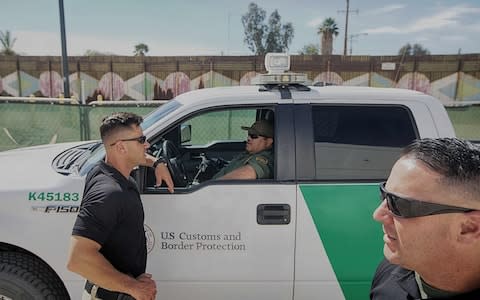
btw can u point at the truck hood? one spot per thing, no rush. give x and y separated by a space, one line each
32 166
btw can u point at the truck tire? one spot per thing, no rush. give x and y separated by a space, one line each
25 277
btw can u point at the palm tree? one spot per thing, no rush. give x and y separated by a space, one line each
140 49
328 30
7 42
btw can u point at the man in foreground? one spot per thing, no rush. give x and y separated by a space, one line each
430 212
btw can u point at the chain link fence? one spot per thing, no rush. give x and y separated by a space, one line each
466 121
220 125
29 124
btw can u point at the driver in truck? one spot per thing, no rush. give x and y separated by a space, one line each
257 160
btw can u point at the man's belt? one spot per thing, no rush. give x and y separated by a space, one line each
104 294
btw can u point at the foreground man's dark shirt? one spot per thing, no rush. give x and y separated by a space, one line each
392 282
111 213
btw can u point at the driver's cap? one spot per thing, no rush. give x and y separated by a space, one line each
260 127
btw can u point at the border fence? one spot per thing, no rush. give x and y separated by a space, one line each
36 121
450 78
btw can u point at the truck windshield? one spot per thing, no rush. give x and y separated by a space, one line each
148 121
159 113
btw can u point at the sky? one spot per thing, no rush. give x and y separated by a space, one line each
214 27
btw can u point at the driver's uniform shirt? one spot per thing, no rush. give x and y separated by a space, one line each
261 162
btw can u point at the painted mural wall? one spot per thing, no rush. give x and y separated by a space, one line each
450 79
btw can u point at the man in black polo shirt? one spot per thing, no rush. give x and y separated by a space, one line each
108 245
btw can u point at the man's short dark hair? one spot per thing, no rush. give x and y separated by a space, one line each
458 161
118 121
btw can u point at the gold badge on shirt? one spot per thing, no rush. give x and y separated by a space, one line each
261 160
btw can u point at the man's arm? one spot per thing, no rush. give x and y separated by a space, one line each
161 172
86 260
244 172
257 167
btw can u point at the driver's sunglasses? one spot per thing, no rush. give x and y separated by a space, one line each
411 208
141 139
253 135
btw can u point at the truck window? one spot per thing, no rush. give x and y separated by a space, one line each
360 142
221 125
200 145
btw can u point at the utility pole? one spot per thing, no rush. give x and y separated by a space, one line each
228 34
66 82
346 28
347 11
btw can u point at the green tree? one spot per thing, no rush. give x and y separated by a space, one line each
7 42
309 49
262 38
405 50
415 50
328 30
140 49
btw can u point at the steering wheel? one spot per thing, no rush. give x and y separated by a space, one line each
171 154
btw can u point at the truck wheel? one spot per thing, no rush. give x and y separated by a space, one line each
23 277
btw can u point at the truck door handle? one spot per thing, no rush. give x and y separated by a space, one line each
273 214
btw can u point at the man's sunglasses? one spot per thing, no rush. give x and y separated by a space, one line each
254 135
141 139
410 208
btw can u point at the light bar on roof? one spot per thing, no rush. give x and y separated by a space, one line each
286 78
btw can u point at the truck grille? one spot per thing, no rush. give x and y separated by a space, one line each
64 161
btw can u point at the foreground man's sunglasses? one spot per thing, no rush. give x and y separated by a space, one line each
411 208
140 139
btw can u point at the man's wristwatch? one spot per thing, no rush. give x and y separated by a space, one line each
160 160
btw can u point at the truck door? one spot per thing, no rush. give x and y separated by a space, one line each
343 152
219 239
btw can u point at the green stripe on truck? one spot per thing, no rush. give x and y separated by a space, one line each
342 214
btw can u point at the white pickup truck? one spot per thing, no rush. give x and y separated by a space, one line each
307 233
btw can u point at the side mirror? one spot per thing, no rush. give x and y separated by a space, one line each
185 133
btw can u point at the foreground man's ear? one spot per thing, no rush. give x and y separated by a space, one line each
470 228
